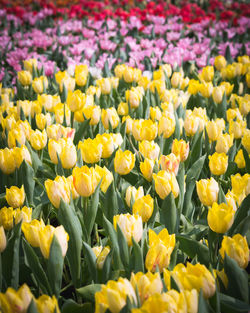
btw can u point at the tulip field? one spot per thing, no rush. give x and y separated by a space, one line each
124 156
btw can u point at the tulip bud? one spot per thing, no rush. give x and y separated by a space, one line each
208 190
220 62
81 74
6 217
91 150
166 182
220 217
237 128
130 225
170 163
236 248
24 77
218 163
246 140
68 155
239 159
149 149
24 215
192 300
30 64
207 73
110 116
105 85
15 196
57 189
144 206
7 161
31 231
133 193
106 176
124 162
180 149
224 143
85 180
166 125
146 168
102 257
38 139
46 304
3 241
75 100
176 79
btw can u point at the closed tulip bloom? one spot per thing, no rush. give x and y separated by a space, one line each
124 162
57 189
108 145
16 301
166 182
149 149
181 149
38 139
176 79
6 217
81 74
7 161
46 235
54 149
100 259
144 206
206 89
30 64
192 300
85 180
214 129
15 196
106 176
3 241
237 128
218 94
46 304
119 70
39 83
31 232
155 113
224 143
133 97
105 85
24 214
170 163
43 120
133 193
166 125
130 225
246 140
147 284
68 155
220 217
91 150
92 112
24 77
236 248
75 100
207 73
146 168
144 130
239 159
110 116
208 190
74 193
220 62
218 163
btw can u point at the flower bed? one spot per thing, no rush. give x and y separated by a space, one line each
124 159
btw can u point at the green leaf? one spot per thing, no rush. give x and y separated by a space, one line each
181 182
81 130
111 202
32 307
221 196
247 159
168 214
88 292
192 248
106 270
138 257
222 107
91 261
32 261
237 279
27 173
10 258
55 266
68 218
202 304
232 305
123 247
71 306
196 147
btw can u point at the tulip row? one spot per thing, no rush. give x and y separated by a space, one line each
128 192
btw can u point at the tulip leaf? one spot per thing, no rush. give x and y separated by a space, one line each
32 261
138 265
68 218
106 270
192 248
81 130
202 304
111 202
28 180
123 246
222 107
168 213
71 306
196 148
237 279
91 261
36 162
232 305
247 159
173 284
10 258
240 214
32 307
109 229
91 210
221 196
181 182
88 292
55 266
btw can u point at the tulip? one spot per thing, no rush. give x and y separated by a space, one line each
16 301
220 217
218 94
176 79
54 149
220 62
144 130
208 190
224 142
30 64
133 193
144 206
85 180
57 189
68 155
206 89
237 128
105 85
92 112
46 304
31 231
24 77
147 284
106 176
146 168
218 163
110 117
228 88
7 161
124 162
193 86
81 74
75 100
239 159
192 300
130 225
119 70
24 215
134 96
155 113
108 145
149 149
246 140
180 149
39 83
165 183
170 163
91 150
166 125
61 110
3 241
6 217
38 139
15 196
102 257
214 129
207 73
236 248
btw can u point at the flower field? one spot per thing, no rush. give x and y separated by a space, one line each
124 156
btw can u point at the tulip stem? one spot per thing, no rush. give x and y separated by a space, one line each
66 287
72 119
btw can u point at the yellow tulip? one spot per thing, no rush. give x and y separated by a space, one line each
237 128
236 248
54 149
7 161
192 300
92 112
60 110
218 163
30 64
124 162
181 149
214 129
6 217
133 192
105 85
207 73
38 139
208 190
46 304
106 176
57 189
3 241
31 231
144 207
224 143
130 225
166 182
228 88
239 159
170 163
146 168
91 150
155 113
107 142
206 89
81 74
15 196
75 100
220 62
149 149
134 96
85 180
68 155
110 116
193 86
100 259
24 77
246 140
24 215
176 79
144 130
220 217
119 70
166 125
147 284
123 109
39 83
